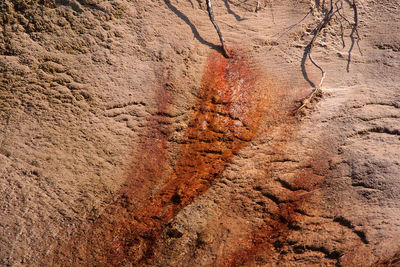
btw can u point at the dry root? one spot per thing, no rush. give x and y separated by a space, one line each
335 9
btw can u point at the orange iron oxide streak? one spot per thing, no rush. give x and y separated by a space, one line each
227 114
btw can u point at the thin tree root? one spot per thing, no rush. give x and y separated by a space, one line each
328 17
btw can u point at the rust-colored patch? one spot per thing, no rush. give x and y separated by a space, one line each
231 105
393 261
269 236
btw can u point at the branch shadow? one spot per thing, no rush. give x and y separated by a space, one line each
230 11
240 5
190 1
353 31
192 27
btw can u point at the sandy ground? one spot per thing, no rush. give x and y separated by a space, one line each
115 150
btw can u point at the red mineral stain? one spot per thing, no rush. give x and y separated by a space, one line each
230 107
267 238
393 261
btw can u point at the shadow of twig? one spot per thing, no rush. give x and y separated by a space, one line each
191 25
354 30
230 11
190 1
240 5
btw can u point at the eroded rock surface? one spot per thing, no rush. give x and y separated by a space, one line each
127 138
